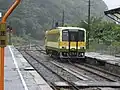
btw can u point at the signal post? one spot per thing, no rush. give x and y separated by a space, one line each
3 41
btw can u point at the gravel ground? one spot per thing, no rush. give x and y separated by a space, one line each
86 73
93 76
49 76
116 78
60 71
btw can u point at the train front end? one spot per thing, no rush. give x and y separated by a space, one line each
72 42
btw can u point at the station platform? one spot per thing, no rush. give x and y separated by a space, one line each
105 58
19 74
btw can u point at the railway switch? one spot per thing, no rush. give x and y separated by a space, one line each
3 35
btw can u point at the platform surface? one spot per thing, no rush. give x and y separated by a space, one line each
106 58
19 75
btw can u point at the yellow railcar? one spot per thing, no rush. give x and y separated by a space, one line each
66 42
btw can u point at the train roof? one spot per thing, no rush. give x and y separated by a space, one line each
71 28
55 30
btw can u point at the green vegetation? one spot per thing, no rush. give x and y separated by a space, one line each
35 16
18 41
104 36
25 40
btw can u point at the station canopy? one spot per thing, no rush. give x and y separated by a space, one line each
114 14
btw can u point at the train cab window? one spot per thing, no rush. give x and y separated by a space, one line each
64 35
81 36
73 36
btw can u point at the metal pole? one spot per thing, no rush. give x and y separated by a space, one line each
63 18
3 21
89 28
1 68
53 23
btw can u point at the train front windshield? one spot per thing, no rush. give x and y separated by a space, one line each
73 35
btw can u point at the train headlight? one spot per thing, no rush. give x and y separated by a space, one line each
81 54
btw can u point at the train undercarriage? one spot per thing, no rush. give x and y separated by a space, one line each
65 56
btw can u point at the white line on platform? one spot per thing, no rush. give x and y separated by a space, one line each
16 65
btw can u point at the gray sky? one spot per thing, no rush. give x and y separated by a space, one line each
112 3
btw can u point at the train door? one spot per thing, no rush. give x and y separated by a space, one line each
73 41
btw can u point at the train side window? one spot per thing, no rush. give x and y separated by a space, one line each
65 36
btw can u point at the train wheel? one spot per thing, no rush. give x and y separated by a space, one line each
51 54
58 55
47 52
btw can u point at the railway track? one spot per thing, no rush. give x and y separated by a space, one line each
116 77
88 78
35 65
95 70
99 72
110 82
64 81
77 69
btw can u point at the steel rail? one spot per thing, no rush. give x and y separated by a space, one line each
83 67
69 71
38 71
51 84
97 87
102 70
70 83
87 69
